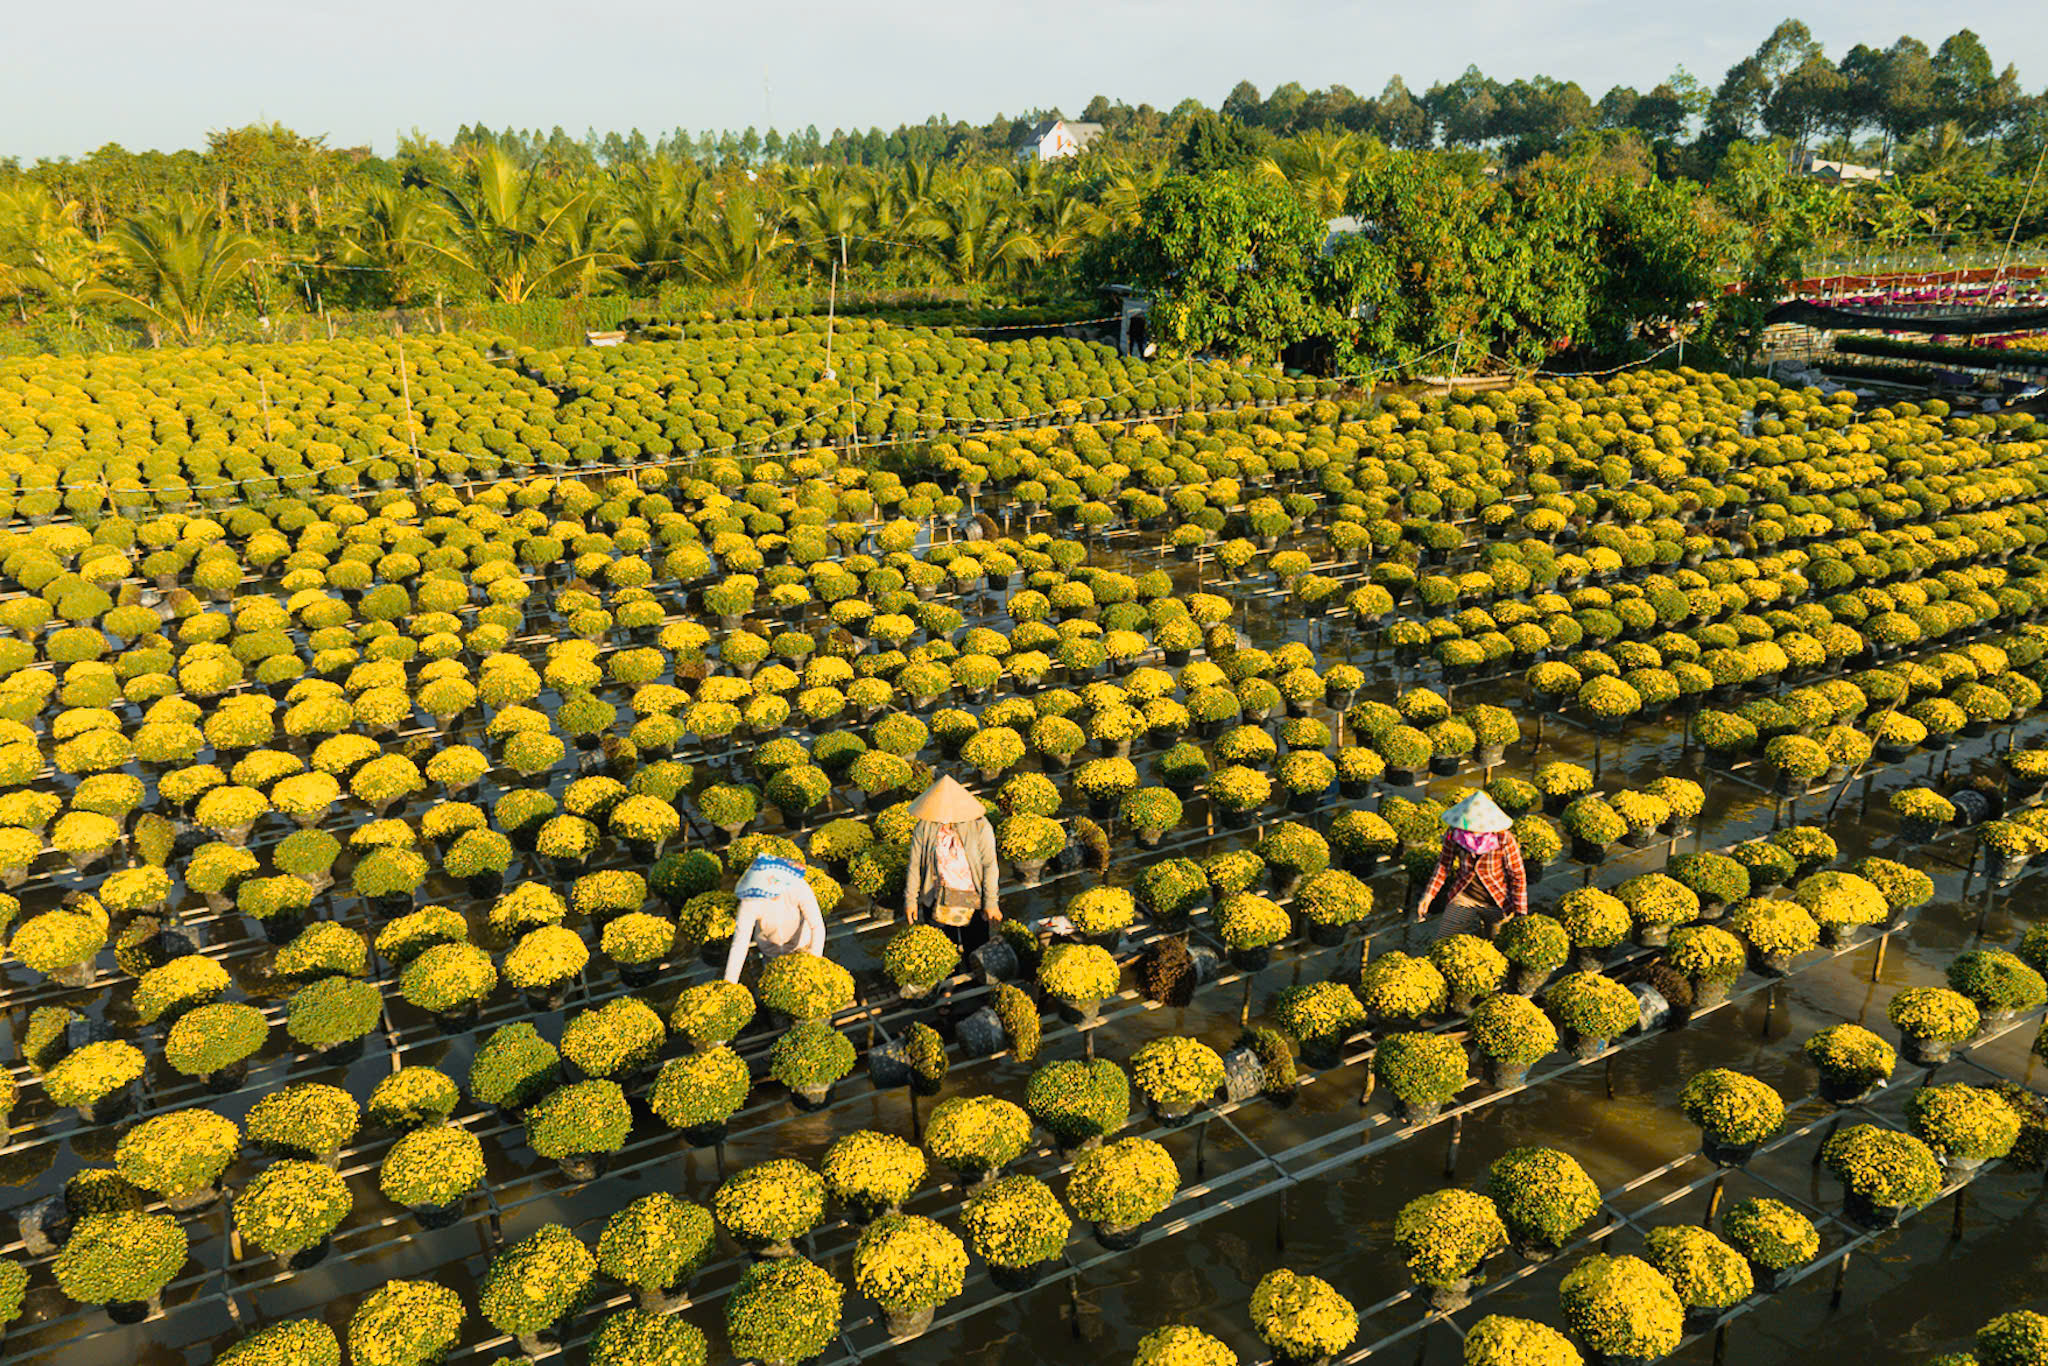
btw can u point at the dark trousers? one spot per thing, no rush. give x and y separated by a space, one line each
969 937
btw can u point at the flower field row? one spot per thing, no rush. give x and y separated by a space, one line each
290 766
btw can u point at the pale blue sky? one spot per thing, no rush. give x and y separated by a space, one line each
161 73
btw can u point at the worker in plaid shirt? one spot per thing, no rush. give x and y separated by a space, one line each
1481 867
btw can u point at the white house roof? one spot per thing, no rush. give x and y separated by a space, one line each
1082 133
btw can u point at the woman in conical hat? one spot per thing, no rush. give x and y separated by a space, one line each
952 875
1479 873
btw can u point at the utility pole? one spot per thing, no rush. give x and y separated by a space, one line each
411 441
831 308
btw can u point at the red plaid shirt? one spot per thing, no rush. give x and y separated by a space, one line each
1498 873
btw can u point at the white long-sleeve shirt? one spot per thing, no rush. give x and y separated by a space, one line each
778 911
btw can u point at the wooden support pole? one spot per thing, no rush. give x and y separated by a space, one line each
1841 1277
1884 942
1451 1148
1074 1304
1955 1232
1714 1200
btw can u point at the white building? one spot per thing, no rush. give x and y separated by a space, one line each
1808 163
1054 138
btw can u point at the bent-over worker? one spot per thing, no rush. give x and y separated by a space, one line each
778 913
1480 867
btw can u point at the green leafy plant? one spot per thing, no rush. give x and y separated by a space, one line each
1544 1197
770 1202
119 1257
1622 1306
1733 1110
1771 1233
537 1282
579 1119
1123 1183
908 1263
1302 1318
1445 1235
1882 1167
435 1165
291 1206
977 1133
786 1310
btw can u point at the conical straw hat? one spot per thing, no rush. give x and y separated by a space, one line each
947 802
1479 815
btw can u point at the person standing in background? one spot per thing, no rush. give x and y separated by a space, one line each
952 874
778 913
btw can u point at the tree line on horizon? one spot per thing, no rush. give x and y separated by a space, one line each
120 247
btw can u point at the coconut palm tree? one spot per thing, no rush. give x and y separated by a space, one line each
828 209
45 251
395 231
736 246
1942 152
584 230
1120 199
512 231
179 266
907 197
658 207
973 230
1319 165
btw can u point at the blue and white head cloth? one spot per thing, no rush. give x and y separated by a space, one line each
770 876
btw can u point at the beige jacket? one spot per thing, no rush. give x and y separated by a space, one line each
922 886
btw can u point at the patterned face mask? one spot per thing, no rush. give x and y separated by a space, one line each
1476 841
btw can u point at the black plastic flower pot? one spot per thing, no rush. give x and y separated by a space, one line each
460 1020
810 1098
1013 1279
2002 868
1328 936
584 1166
1924 1052
133 1311
1725 1154
1251 960
1323 1053
226 1079
1875 1217
544 999
439 1216
1584 851
305 1259
1504 1076
340 1054
1586 1048
1115 1238
1837 1089
1402 777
